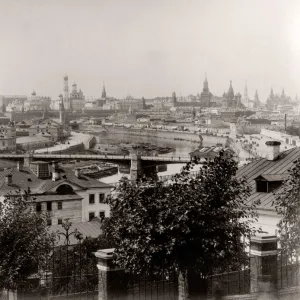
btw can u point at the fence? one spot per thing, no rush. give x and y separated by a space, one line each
288 274
70 272
75 272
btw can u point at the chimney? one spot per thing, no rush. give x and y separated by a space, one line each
8 179
273 150
77 172
20 165
55 172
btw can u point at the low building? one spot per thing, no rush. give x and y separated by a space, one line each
58 191
48 126
34 142
266 176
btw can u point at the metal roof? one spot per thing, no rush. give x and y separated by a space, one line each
280 166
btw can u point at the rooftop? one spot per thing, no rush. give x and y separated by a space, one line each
270 170
25 178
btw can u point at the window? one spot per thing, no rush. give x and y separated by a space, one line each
49 206
101 198
49 222
261 186
59 205
91 198
102 215
59 221
38 207
91 216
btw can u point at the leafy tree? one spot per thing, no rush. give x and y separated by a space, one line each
24 240
293 130
287 204
190 223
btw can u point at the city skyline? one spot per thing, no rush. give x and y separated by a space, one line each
149 49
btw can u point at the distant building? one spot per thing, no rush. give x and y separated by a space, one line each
60 191
77 99
231 100
274 100
35 102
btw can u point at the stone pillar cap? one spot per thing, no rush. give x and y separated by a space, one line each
263 238
105 253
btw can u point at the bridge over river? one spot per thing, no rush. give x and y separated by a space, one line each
138 164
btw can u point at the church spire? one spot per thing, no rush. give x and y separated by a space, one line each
205 85
103 92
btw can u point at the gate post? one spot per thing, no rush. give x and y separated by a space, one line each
112 281
263 266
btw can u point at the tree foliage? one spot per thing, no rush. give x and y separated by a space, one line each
293 130
287 204
24 240
191 222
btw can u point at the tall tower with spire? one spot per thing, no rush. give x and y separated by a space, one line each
103 92
256 99
66 93
206 95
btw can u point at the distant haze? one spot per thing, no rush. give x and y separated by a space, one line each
149 47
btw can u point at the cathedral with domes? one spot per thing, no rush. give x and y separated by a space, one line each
231 100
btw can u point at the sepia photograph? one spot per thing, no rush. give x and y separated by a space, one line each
149 150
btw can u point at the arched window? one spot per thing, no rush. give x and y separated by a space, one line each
64 189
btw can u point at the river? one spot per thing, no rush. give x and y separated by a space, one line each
181 148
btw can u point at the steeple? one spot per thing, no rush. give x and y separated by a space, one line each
205 85
230 93
103 92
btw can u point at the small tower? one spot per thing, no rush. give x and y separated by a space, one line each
230 93
103 92
174 99
256 99
143 103
61 112
205 85
66 92
74 88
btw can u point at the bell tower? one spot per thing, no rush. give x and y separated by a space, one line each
66 93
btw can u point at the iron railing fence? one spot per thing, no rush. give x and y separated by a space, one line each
155 287
288 274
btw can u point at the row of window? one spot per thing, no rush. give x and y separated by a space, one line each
49 221
93 196
92 215
38 206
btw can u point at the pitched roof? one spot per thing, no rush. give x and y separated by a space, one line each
45 198
87 229
25 179
273 177
280 167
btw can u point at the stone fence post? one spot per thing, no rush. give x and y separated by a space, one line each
112 281
263 266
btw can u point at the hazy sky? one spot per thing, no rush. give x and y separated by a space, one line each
149 47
